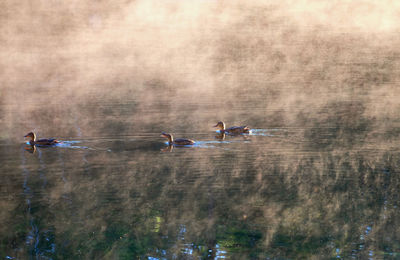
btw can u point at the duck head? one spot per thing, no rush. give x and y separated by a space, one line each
220 125
31 135
168 136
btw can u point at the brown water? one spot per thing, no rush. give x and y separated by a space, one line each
317 178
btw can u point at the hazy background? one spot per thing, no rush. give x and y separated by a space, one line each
61 62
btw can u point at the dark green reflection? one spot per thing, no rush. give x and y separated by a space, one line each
250 201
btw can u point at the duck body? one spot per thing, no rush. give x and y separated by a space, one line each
237 130
46 142
183 141
233 129
179 141
40 142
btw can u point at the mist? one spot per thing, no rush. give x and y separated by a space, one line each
62 62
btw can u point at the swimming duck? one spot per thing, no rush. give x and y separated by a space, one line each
180 141
33 140
233 129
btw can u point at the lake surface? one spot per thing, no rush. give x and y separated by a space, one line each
327 188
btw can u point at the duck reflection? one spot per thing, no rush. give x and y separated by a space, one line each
30 148
169 148
220 136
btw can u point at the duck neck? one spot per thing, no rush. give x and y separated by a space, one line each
170 139
33 139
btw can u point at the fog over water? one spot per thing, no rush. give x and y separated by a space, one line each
200 55
317 81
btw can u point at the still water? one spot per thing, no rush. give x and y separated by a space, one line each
326 186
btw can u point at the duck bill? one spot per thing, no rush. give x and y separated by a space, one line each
26 135
215 125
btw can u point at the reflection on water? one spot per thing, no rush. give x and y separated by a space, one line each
329 190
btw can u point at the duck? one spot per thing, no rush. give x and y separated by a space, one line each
180 141
44 142
233 129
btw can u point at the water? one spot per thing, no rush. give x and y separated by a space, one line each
317 177
328 189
